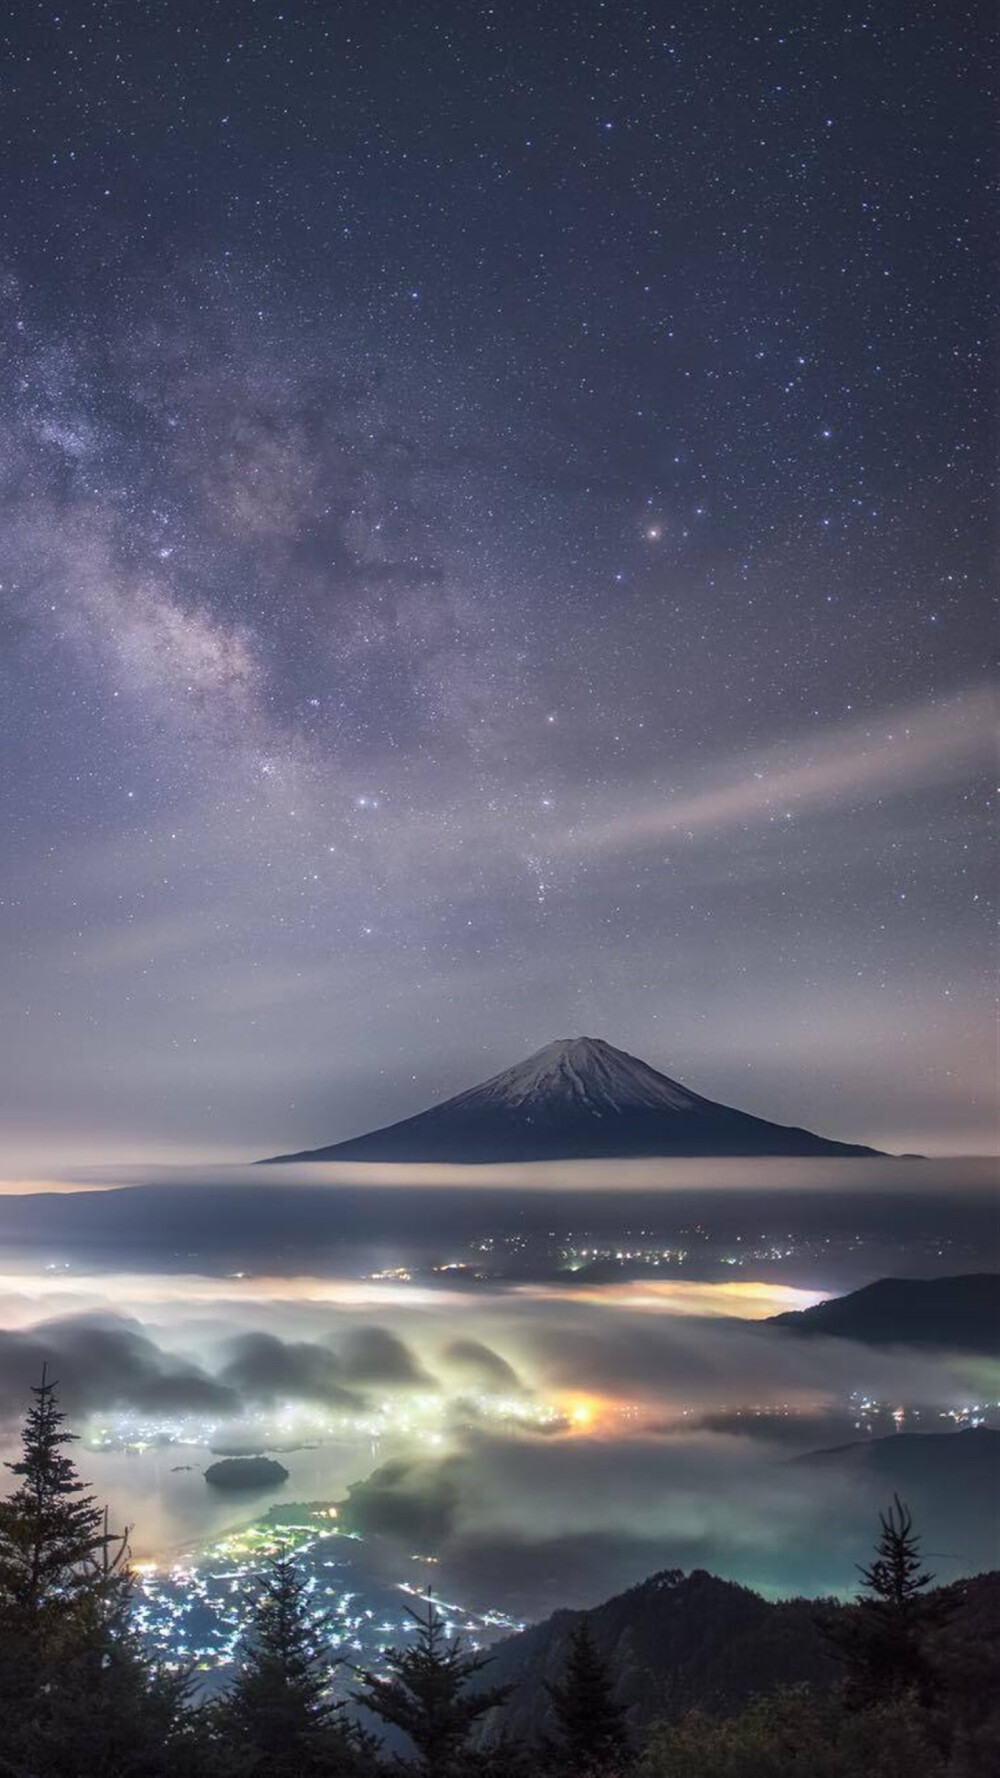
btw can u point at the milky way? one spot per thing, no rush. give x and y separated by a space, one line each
496 539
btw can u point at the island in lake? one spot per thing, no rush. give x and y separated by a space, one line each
246 1472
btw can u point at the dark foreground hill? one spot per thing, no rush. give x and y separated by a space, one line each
679 1642
577 1099
963 1313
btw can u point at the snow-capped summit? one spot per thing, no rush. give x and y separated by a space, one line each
576 1098
586 1073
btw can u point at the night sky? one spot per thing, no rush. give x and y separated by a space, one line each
496 545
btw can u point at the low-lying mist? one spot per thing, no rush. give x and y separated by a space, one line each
546 1446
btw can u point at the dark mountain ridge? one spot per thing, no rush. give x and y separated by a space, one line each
577 1099
678 1642
961 1312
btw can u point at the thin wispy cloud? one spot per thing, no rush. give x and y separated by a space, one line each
924 745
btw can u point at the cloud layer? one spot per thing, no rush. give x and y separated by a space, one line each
667 1440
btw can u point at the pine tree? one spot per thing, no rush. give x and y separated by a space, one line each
52 1548
278 1714
425 1693
592 1737
883 1639
80 1694
53 1535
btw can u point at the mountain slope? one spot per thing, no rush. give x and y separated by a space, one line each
962 1312
931 1471
679 1642
578 1098
949 1480
674 1643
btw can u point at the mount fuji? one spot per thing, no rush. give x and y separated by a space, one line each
577 1099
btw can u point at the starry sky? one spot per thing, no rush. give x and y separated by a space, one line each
496 545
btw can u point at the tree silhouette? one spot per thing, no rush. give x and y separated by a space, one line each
279 1714
54 1539
426 1694
883 1638
79 1692
592 1737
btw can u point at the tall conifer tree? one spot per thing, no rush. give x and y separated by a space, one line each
883 1640
53 1534
279 1715
79 1693
425 1693
592 1733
